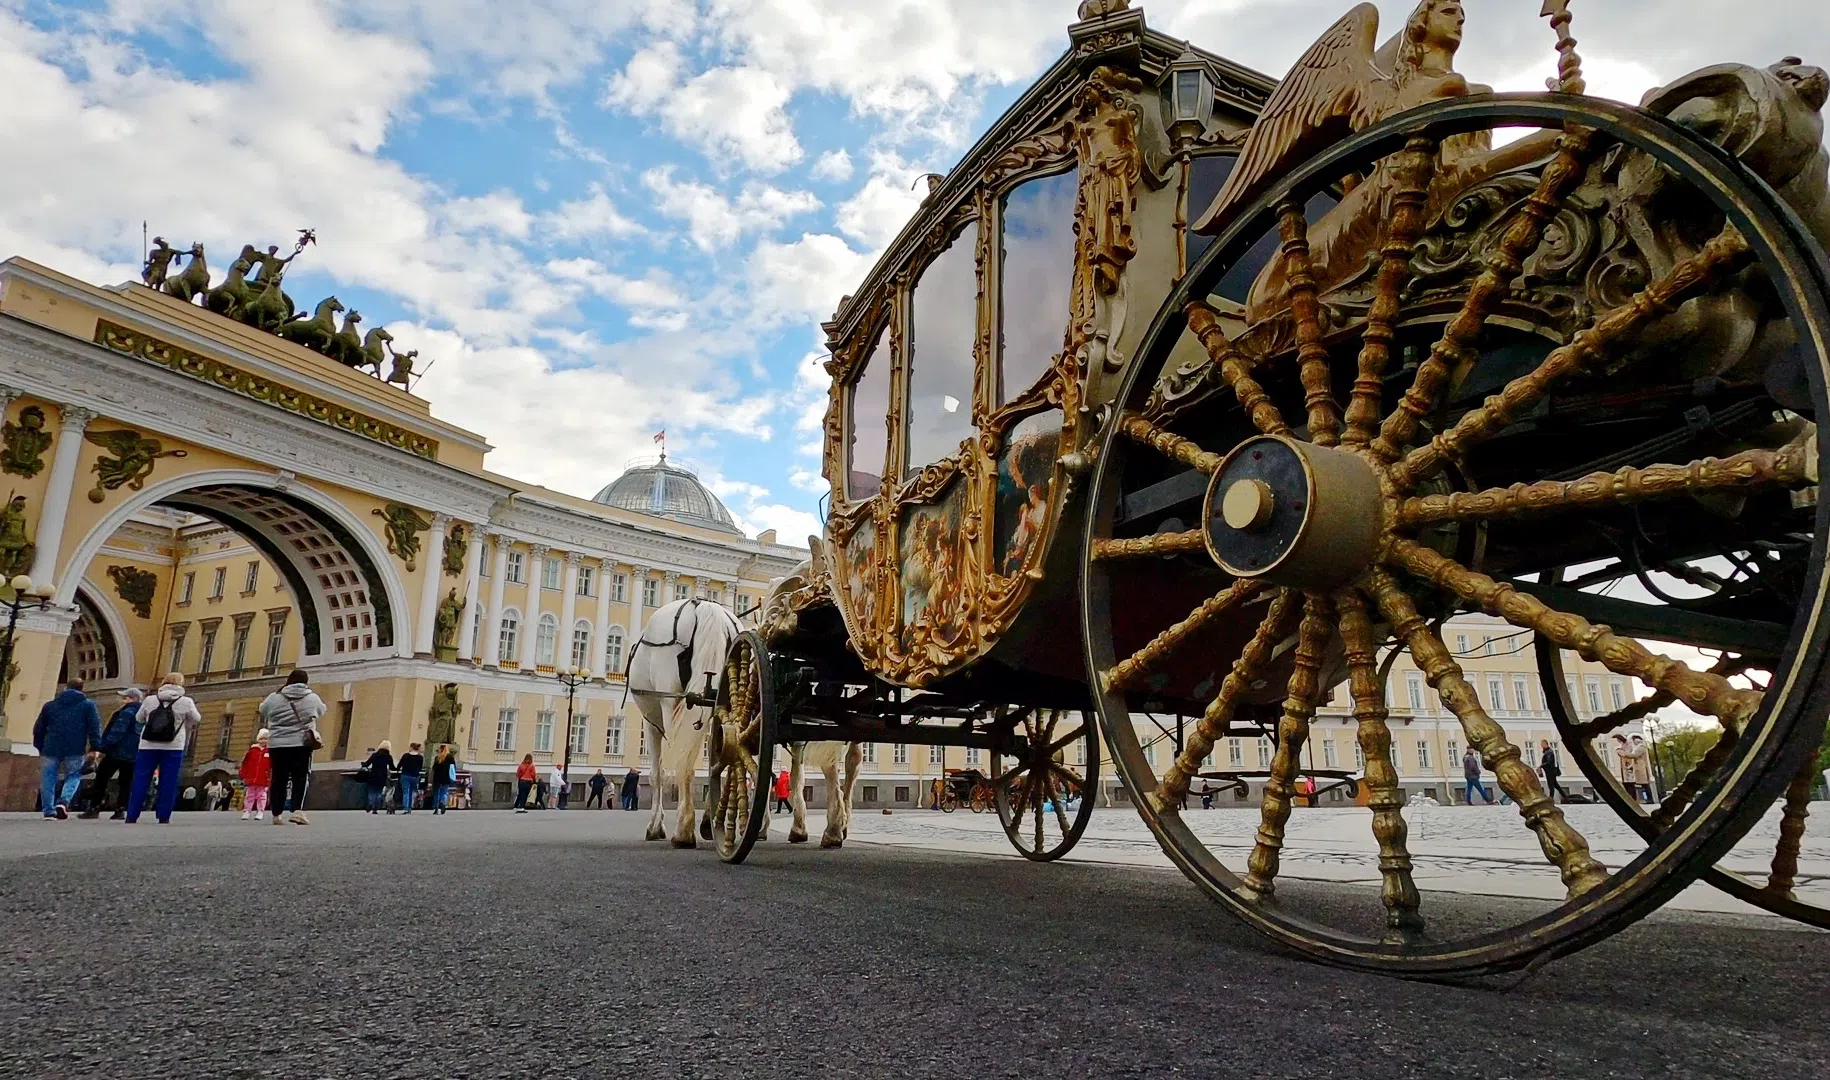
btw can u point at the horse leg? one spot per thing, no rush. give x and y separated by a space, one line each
683 822
853 755
835 814
797 832
656 831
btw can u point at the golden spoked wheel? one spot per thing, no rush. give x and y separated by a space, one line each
743 742
1046 796
1372 449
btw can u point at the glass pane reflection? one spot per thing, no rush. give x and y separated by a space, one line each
870 410
1038 278
1206 174
944 317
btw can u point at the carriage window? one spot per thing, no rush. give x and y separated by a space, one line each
1038 272
1206 174
944 319
870 410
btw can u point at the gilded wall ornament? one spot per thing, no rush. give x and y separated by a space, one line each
404 524
26 442
455 542
445 624
136 586
441 718
16 549
132 462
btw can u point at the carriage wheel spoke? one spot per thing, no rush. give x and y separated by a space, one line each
1792 830
1055 796
1790 466
1257 652
1651 703
1562 844
1154 545
1703 692
1312 639
1204 322
1312 358
1503 264
1066 741
1384 797
1169 444
1587 352
1412 169
1127 671
1678 798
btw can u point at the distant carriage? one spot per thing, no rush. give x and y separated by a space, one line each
1152 412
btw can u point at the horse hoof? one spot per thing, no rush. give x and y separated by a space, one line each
797 838
829 842
689 842
656 834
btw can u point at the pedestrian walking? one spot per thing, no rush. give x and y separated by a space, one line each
167 721
781 791
213 793
556 782
1635 767
1471 772
291 716
256 774
120 742
412 764
596 785
526 775
444 779
376 768
68 728
632 789
1552 769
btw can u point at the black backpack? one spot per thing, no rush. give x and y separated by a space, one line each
161 723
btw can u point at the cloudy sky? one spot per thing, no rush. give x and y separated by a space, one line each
606 217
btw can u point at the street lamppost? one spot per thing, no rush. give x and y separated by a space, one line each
571 678
16 594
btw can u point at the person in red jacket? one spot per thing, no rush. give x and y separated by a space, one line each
525 777
781 791
256 775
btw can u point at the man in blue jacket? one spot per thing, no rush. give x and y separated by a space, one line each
120 743
68 728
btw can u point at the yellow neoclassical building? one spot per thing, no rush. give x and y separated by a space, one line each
196 494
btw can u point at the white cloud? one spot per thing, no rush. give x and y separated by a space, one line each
804 278
883 205
714 220
498 212
589 218
833 165
726 112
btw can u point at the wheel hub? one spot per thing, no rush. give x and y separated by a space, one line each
1292 513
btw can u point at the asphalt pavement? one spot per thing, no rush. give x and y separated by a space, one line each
486 944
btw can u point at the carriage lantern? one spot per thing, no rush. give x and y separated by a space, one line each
1191 97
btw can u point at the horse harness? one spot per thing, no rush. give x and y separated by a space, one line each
684 658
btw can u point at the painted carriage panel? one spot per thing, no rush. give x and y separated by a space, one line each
933 556
1025 477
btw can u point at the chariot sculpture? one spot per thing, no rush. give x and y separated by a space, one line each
1190 394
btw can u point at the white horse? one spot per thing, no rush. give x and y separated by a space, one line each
681 649
823 756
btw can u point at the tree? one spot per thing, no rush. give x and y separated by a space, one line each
1678 748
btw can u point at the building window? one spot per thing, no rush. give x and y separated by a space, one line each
546 640
973 755
613 651
899 755
580 727
549 573
1235 753
219 582
511 626
1328 753
743 602
517 566
586 575
680 591
619 588
276 636
1531 753
208 647
1423 755
185 590
1150 752
581 644
1454 750
1496 692
238 645
870 794
649 585
177 655
505 729
225 737
543 731
1521 694
1594 688
1359 757
253 580
613 736
867 754
1264 753
1414 683
1617 690
1461 644
935 755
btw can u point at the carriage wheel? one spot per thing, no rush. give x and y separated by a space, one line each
1771 886
746 722
982 798
1032 796
1327 536
949 798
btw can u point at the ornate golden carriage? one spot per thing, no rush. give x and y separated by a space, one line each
1237 385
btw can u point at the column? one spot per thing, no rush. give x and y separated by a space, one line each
568 612
58 488
473 568
428 589
638 616
668 581
492 618
530 610
606 577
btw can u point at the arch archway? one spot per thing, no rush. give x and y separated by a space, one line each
351 600
99 649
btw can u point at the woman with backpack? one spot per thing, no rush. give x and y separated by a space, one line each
166 719
376 770
290 715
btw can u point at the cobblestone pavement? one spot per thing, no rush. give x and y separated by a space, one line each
489 944
1482 849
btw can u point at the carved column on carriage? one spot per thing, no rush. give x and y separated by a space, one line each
568 608
600 630
492 617
473 568
424 628
58 488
